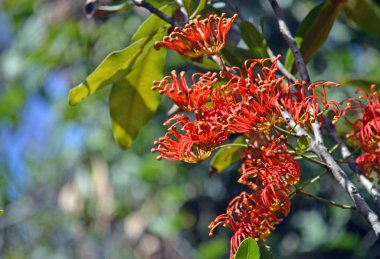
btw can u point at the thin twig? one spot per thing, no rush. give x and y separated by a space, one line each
346 154
317 145
330 202
152 9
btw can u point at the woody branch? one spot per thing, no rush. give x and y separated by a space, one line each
317 145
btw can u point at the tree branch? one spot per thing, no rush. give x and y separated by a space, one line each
317 145
152 9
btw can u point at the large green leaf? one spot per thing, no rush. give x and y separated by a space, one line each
365 14
153 23
226 156
248 249
254 40
111 70
132 102
315 28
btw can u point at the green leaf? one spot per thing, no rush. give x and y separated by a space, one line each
303 144
248 249
254 40
92 8
1 212
153 23
365 14
289 60
235 56
315 28
132 102
111 70
194 7
265 251
224 157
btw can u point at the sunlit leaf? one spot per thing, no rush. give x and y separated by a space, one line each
153 23
303 144
365 14
114 67
254 40
224 157
248 249
1 212
132 102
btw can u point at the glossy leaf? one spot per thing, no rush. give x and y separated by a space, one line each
111 70
224 157
235 56
303 144
365 14
316 27
132 102
153 23
248 249
254 40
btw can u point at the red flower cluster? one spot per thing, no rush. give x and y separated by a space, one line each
249 103
199 37
269 171
367 133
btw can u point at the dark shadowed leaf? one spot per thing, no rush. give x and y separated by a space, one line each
254 40
265 251
303 144
315 28
248 249
365 14
235 56
226 156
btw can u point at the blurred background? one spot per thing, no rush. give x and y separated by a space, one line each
67 189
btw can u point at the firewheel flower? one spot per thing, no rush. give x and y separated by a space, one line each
246 216
199 37
185 97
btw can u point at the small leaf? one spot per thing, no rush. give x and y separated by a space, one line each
254 40
1 212
248 249
303 144
226 156
235 56
132 102
365 14
289 59
265 251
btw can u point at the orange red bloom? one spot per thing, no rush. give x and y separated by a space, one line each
199 37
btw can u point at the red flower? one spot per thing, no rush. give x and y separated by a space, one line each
368 163
187 98
246 216
199 37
